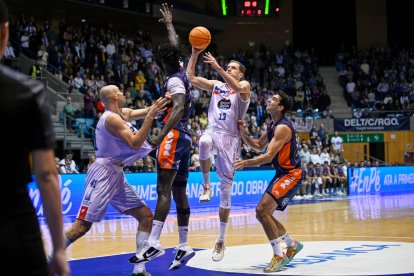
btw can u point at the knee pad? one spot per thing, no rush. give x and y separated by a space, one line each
205 145
225 195
183 211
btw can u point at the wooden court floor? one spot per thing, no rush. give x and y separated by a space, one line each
365 218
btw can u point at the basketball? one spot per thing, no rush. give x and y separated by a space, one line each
199 37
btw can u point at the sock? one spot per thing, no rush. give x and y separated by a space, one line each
277 249
206 177
67 241
156 231
222 233
183 235
288 239
140 239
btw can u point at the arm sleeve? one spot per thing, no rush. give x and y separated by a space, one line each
176 86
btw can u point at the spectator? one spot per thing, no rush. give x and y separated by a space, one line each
71 111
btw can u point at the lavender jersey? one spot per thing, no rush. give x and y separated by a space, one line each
226 108
114 149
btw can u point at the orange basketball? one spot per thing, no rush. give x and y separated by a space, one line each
199 37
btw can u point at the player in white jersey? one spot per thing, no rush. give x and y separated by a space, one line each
118 144
228 104
337 143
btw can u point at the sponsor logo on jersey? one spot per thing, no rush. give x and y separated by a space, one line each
224 104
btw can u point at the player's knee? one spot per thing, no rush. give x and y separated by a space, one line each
205 144
82 227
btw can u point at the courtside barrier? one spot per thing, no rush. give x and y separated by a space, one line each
248 187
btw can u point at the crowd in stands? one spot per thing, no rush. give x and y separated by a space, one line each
378 82
89 57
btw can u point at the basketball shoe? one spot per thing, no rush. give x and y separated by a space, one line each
143 273
218 252
183 253
206 194
291 251
276 263
148 253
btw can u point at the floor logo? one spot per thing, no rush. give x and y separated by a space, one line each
317 258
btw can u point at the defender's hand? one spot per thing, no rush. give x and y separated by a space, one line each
166 12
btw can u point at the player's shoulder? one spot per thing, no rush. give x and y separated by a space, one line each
12 80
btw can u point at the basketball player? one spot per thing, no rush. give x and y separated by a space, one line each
173 155
228 104
118 143
282 151
24 100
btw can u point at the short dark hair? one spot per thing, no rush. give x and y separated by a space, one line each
284 100
4 13
241 66
172 55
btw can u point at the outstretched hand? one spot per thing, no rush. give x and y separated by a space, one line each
166 12
158 107
196 51
239 164
208 58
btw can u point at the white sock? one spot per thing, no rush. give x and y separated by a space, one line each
206 177
67 241
277 249
183 235
156 231
140 239
288 239
222 233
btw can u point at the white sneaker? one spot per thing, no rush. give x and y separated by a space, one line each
143 273
218 253
182 255
206 194
148 253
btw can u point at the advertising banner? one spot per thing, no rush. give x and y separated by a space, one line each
248 187
372 124
380 180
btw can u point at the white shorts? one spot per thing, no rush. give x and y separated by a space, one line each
227 149
106 184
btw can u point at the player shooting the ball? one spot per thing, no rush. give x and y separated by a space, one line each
228 104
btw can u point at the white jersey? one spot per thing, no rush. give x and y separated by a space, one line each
226 108
336 142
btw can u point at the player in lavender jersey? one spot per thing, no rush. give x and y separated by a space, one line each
118 143
228 104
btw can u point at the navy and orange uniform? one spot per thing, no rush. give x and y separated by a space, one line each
289 173
174 151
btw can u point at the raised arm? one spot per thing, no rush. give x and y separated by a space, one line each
281 135
136 114
242 87
202 83
166 13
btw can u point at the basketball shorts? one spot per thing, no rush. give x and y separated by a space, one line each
174 152
106 184
283 187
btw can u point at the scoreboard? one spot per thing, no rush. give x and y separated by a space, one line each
253 8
